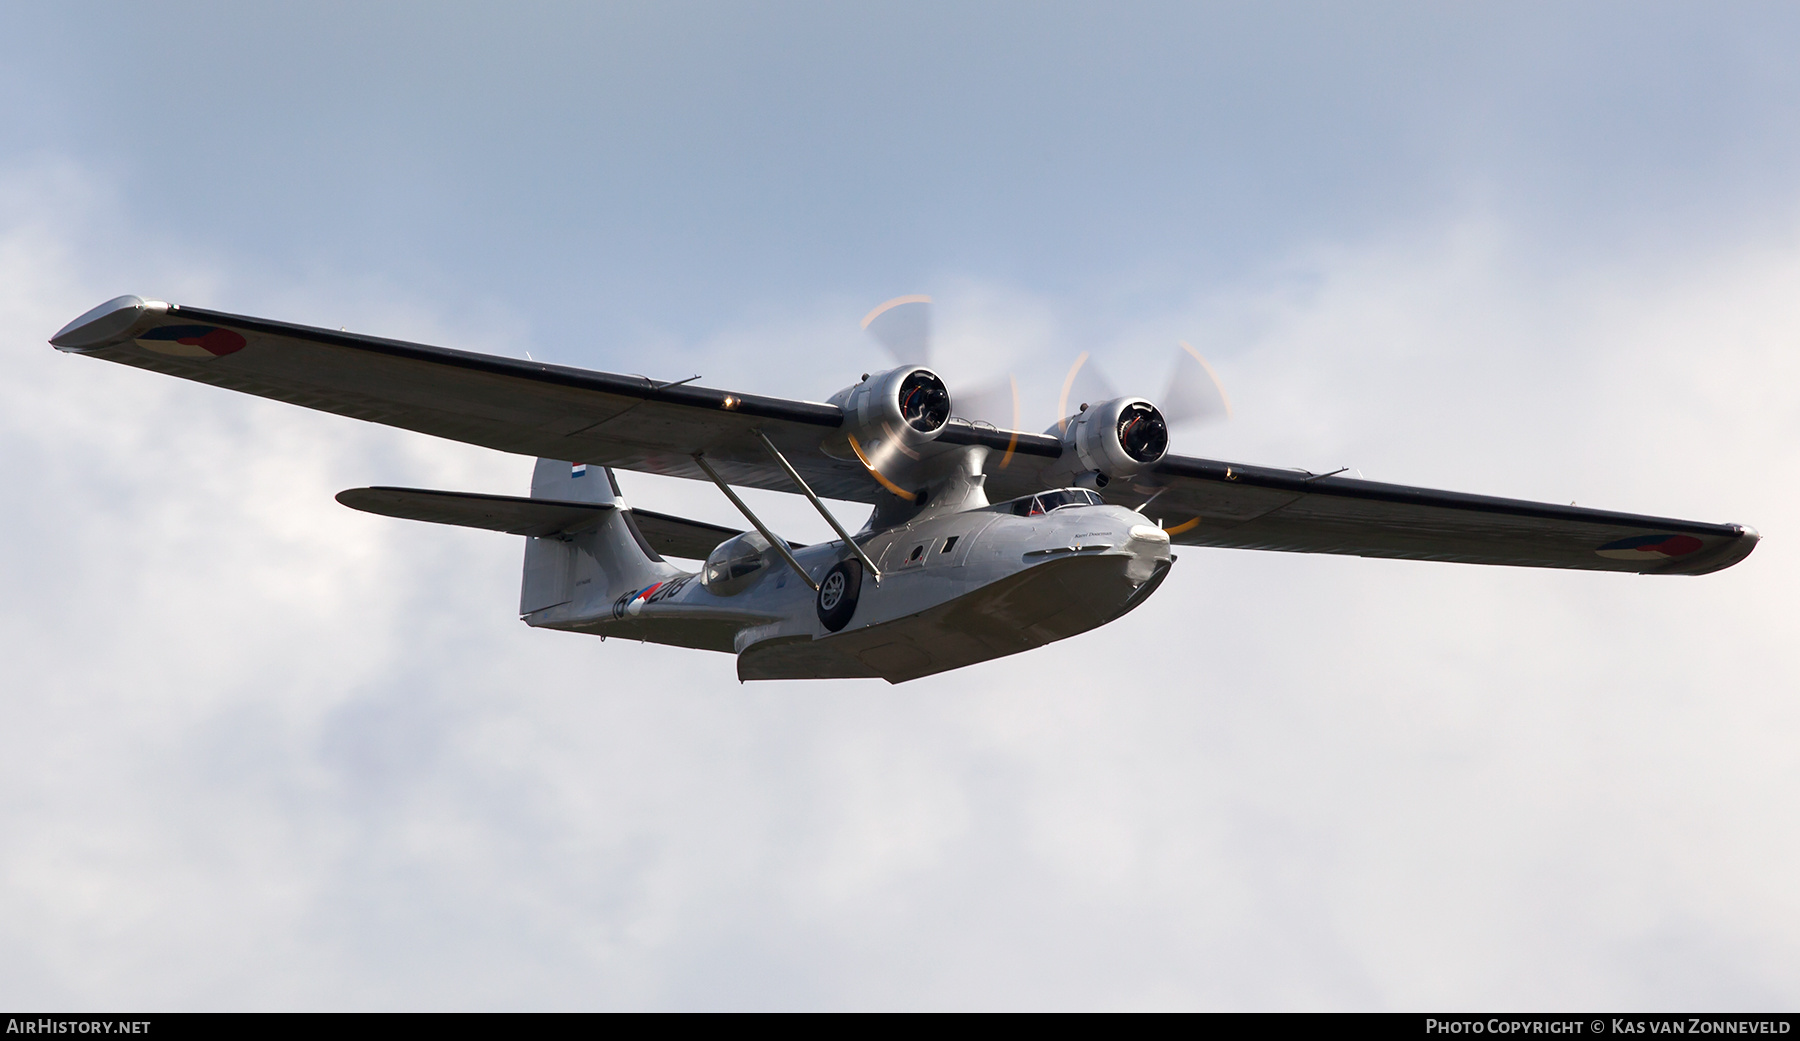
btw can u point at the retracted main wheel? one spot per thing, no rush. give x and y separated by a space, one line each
838 593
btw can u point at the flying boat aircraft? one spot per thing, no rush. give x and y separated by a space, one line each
983 540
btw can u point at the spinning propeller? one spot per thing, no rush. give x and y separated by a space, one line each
903 326
1193 394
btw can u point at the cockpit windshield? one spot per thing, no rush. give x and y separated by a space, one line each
1050 502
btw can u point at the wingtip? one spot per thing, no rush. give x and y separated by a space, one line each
1720 557
115 321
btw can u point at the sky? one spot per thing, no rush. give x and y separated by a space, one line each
258 751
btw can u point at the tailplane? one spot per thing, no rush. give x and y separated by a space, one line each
583 544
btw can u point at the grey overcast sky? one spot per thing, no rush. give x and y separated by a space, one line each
260 752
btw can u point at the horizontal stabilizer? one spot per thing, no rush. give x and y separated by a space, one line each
674 536
507 513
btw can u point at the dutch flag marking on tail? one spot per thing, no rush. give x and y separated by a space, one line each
578 470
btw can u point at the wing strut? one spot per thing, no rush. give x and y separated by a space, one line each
780 544
817 505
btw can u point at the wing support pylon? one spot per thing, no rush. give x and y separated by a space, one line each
807 491
755 521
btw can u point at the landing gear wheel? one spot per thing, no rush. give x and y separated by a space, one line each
838 593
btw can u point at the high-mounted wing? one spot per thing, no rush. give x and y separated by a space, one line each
635 423
529 408
675 536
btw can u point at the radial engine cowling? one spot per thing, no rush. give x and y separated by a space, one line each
893 413
1113 439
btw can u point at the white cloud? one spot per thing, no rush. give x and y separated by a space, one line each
264 752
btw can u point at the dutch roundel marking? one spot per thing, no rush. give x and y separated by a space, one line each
192 341
1641 547
633 603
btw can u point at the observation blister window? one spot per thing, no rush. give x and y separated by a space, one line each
734 562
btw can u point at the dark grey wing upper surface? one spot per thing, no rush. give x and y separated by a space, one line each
1207 503
525 407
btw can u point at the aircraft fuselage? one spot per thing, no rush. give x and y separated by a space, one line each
955 588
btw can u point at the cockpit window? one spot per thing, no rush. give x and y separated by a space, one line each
1050 502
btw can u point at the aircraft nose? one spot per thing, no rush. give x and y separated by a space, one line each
1149 548
1147 536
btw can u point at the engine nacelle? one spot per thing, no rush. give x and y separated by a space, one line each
1111 440
890 415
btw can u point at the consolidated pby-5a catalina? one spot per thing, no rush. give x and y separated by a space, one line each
983 540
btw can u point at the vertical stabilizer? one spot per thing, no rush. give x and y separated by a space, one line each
584 567
573 482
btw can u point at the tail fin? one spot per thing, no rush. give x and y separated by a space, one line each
592 565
